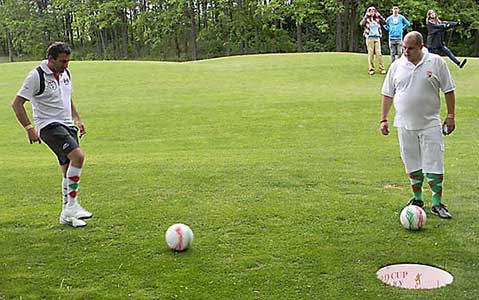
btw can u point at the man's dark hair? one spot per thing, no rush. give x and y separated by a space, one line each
56 48
395 5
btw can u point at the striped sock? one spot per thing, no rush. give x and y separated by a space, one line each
416 178
73 183
435 183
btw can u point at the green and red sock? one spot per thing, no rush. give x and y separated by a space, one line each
435 183
416 178
64 191
73 183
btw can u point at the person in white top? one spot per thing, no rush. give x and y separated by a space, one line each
413 83
49 88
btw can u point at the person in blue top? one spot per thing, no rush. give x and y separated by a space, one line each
395 25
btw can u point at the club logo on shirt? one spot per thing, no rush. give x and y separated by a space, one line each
66 81
66 145
52 85
429 74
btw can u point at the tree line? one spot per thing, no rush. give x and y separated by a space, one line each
197 29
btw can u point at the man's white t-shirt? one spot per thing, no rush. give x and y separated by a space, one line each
415 90
54 104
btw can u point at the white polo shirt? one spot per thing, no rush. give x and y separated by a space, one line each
54 104
415 90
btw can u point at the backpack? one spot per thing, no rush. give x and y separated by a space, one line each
41 73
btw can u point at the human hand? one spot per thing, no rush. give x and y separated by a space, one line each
384 127
33 136
448 126
81 127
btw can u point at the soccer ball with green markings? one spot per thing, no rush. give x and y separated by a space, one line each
179 237
413 217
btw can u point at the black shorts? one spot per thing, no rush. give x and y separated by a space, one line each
61 139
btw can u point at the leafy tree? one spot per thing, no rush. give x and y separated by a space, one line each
195 29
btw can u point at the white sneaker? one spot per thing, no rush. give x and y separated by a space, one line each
81 213
66 217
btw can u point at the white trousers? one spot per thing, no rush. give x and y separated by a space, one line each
422 149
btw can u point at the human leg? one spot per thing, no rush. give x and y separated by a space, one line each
410 149
392 51
411 157
435 183
399 48
397 45
449 53
432 148
395 48
379 56
63 141
416 178
370 48
73 175
64 185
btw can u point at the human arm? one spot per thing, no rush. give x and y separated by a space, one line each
381 18
406 23
386 103
386 25
450 24
22 117
450 104
439 26
363 20
78 120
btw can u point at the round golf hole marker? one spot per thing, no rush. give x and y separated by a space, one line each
414 276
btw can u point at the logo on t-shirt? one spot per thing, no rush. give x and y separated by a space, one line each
52 85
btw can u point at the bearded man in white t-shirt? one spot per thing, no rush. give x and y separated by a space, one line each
49 90
413 84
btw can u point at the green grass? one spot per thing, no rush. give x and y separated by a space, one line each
276 163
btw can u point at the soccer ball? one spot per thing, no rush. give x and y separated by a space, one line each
179 237
413 217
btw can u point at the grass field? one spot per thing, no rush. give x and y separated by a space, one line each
276 163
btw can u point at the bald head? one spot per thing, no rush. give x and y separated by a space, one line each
415 38
412 47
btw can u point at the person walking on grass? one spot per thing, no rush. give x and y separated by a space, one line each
395 25
49 89
413 84
372 33
435 36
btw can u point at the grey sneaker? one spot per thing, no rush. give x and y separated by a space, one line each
419 203
441 211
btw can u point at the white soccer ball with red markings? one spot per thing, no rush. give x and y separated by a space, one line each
413 217
179 237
